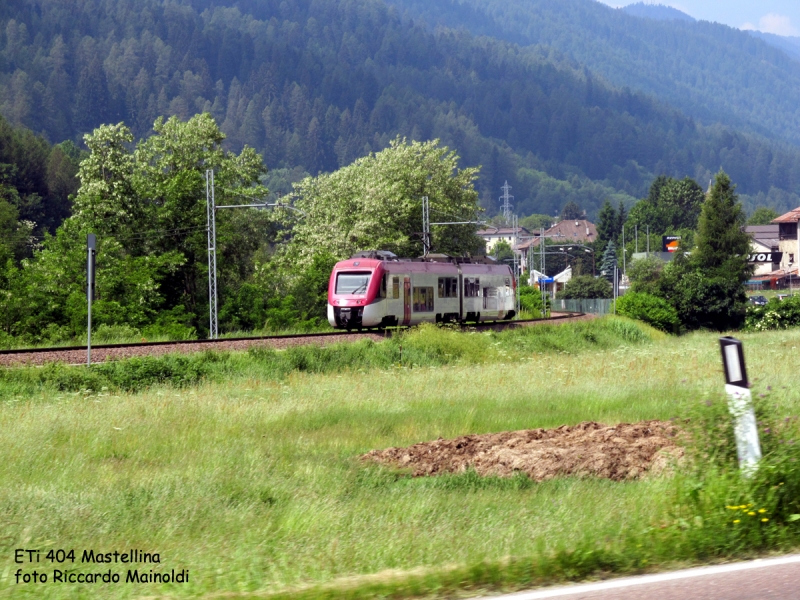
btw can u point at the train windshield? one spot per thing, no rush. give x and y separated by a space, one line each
352 283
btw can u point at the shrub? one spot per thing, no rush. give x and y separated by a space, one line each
586 286
530 299
652 310
645 273
776 314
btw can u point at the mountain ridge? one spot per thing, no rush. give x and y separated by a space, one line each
658 12
318 84
711 72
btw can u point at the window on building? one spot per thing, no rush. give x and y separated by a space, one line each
423 299
396 288
448 287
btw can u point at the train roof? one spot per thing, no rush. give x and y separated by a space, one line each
423 266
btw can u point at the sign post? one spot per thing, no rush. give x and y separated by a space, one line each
91 244
740 405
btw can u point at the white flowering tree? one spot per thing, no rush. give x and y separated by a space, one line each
376 203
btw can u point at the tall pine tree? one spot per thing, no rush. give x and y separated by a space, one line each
708 288
607 223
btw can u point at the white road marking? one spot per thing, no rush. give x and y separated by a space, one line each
627 582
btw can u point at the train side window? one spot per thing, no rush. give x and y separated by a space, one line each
382 293
472 287
396 288
423 299
448 287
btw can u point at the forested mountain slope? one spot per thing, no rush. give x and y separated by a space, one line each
709 71
316 84
789 44
656 11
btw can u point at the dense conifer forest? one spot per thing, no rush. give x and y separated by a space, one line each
313 85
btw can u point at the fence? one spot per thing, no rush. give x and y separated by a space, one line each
584 305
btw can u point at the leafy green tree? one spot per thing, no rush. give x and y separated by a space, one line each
536 222
502 251
645 275
586 286
376 203
670 206
763 215
571 210
147 206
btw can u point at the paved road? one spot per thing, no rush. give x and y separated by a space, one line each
767 579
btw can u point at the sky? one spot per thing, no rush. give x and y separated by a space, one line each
781 17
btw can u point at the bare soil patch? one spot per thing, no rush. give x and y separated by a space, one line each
618 452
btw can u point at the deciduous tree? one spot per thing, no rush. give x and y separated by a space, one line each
376 203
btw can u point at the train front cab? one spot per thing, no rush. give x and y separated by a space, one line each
354 292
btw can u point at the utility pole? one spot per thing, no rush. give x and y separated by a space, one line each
91 245
544 272
506 201
426 226
517 266
211 217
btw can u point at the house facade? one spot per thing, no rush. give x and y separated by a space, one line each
511 236
578 231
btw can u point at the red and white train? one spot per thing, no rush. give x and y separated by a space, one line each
376 289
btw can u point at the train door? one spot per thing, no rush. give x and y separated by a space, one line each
406 301
461 315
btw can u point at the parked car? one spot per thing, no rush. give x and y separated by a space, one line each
783 297
758 300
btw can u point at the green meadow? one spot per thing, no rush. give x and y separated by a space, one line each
243 468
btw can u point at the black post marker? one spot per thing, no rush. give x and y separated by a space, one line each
740 405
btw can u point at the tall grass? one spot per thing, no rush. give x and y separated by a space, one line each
249 475
427 345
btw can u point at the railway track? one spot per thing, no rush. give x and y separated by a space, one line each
104 352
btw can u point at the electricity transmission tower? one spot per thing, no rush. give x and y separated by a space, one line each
506 198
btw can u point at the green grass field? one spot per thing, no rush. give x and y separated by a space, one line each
249 476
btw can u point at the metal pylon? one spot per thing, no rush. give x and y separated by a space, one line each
211 210
506 198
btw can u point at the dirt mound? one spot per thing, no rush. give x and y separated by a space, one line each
623 451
